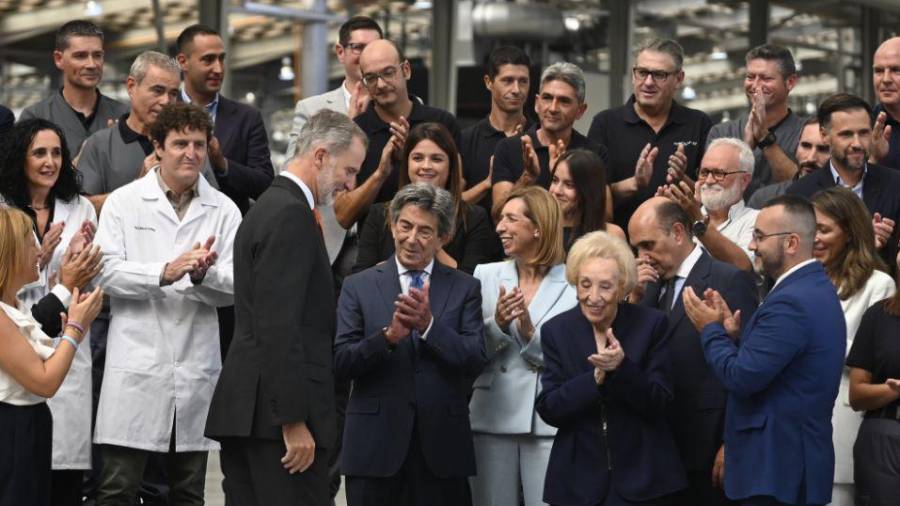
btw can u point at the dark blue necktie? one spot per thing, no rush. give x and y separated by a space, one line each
415 281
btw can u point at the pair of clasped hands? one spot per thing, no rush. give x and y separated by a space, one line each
412 311
195 262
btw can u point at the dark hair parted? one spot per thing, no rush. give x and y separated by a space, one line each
840 102
180 117
588 174
776 53
505 55
438 134
854 265
357 23
75 28
13 157
186 37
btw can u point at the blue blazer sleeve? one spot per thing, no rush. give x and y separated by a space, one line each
355 353
775 338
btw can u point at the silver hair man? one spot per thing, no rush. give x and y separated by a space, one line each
436 201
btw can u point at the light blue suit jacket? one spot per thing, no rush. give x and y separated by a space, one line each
504 396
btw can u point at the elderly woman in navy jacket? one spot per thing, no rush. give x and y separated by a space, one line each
605 387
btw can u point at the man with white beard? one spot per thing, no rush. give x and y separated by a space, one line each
722 223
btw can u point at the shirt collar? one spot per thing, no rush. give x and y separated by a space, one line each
347 94
792 270
401 269
211 108
306 191
858 187
677 113
129 135
689 262
170 193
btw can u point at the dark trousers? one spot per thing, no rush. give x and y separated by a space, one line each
701 491
26 439
876 463
123 469
255 476
413 485
765 500
65 488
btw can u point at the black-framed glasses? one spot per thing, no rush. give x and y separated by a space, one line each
659 76
371 78
354 47
759 236
717 174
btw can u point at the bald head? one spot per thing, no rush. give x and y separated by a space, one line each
385 71
661 232
886 75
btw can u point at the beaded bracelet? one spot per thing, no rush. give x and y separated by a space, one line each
71 340
75 325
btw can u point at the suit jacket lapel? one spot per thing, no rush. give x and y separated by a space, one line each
697 278
550 290
439 287
388 283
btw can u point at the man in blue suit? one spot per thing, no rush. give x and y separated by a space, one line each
670 261
410 337
783 372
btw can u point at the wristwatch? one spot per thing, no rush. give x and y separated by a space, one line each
698 228
767 141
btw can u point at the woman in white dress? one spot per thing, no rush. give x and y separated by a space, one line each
845 244
38 178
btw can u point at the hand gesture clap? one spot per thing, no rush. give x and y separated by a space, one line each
643 170
531 163
609 358
881 137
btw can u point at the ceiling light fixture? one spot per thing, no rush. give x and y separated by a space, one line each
93 8
286 73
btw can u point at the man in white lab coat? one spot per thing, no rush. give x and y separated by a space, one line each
167 242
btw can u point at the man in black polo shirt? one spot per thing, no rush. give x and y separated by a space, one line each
78 107
651 135
508 79
390 115
559 104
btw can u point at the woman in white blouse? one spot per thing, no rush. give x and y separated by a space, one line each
31 369
845 244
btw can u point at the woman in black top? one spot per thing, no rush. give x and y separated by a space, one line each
874 362
430 156
578 183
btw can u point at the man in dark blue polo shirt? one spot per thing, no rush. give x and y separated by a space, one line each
508 79
559 104
651 134
886 79
390 115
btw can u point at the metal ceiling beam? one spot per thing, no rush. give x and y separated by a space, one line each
49 19
286 12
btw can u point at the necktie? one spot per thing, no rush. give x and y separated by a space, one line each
318 216
668 295
415 281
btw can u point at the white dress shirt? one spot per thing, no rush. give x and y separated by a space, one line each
684 270
302 185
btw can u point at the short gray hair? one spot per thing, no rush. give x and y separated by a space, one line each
600 244
665 46
568 73
746 160
331 130
436 201
142 64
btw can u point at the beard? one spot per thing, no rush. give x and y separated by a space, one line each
771 264
325 185
716 197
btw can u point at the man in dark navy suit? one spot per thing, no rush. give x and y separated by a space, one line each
845 123
410 337
782 370
669 261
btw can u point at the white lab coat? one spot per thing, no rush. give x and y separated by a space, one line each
162 351
71 406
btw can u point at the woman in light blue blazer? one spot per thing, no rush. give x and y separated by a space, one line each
512 443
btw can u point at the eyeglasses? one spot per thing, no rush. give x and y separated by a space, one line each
371 78
354 47
717 174
759 236
659 76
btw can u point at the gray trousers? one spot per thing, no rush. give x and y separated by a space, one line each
876 462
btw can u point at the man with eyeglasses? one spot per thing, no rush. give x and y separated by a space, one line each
886 79
720 220
652 139
770 128
387 119
813 152
781 366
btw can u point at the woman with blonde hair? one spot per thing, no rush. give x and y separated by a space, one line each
512 442
606 385
32 366
845 244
